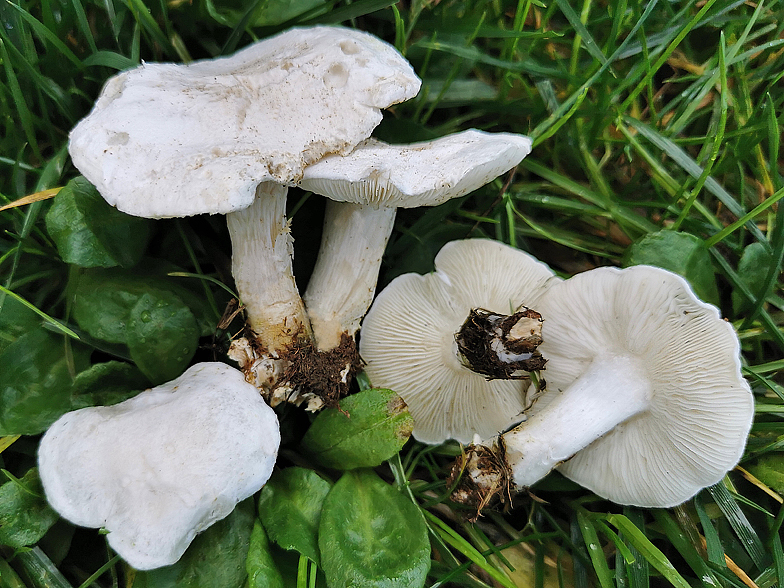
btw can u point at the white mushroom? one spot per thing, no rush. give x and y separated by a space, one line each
159 468
408 338
645 402
365 187
227 135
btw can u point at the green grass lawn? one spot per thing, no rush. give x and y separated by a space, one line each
656 129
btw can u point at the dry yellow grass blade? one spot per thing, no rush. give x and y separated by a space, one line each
760 484
30 198
6 442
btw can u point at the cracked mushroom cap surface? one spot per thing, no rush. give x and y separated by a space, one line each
408 338
420 174
164 465
166 140
701 407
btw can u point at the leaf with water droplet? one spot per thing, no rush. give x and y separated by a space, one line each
290 508
156 343
104 298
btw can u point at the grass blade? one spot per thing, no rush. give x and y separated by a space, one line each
740 524
25 116
468 550
665 55
595 551
680 157
52 321
648 550
40 29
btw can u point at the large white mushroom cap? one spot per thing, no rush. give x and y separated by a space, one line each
419 174
408 338
696 408
159 468
169 140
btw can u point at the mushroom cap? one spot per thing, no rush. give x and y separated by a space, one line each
420 174
159 468
701 408
408 338
168 140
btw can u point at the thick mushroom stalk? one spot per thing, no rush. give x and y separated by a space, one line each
261 266
645 402
612 390
343 282
368 185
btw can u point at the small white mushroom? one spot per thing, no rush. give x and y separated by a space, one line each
157 469
645 401
408 339
228 135
365 187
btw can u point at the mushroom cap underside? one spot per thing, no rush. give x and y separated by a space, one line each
159 468
701 407
420 174
167 140
408 338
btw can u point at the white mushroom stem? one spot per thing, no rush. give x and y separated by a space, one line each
611 390
343 282
262 250
390 176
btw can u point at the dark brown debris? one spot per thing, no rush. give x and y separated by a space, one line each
327 374
487 340
481 478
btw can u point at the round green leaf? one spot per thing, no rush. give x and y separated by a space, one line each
371 427
681 253
215 559
261 568
290 508
25 516
371 535
103 301
104 298
162 336
37 383
90 233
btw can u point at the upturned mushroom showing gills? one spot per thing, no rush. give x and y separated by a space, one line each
159 468
409 338
228 135
645 402
364 189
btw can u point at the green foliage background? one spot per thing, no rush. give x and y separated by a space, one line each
657 130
